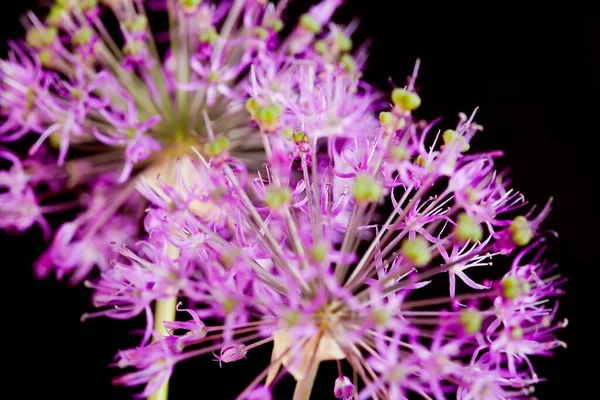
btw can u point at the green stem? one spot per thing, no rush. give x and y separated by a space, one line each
164 310
304 386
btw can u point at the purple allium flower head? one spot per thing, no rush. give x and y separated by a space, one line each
114 106
284 201
327 251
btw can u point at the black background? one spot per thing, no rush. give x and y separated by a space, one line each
534 73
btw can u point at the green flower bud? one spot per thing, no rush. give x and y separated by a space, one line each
398 153
471 320
467 229
343 42
300 137
46 58
318 252
252 106
450 136
216 147
406 100
386 118
208 35
277 197
277 25
261 33
366 189
56 15
520 231
347 62
417 251
268 117
137 25
82 37
309 23
321 47
510 288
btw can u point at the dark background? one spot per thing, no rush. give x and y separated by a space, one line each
535 76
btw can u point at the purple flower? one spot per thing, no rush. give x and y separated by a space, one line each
343 389
258 166
231 353
281 264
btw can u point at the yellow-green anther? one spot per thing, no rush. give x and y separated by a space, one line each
208 35
386 118
87 5
472 195
287 132
269 114
318 252
137 25
380 316
417 251
66 3
37 38
49 36
471 320
190 5
31 95
299 137
366 189
510 288
82 37
229 258
292 317
277 197
321 47
56 15
252 106
229 304
216 147
277 25
467 229
347 62
401 123
133 47
46 57
420 160
516 332
213 77
261 33
451 136
405 99
520 231
524 286
343 42
129 133
33 38
309 23
398 153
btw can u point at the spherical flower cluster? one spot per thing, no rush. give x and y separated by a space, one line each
327 252
100 107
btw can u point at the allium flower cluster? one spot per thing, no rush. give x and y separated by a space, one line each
326 253
100 107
